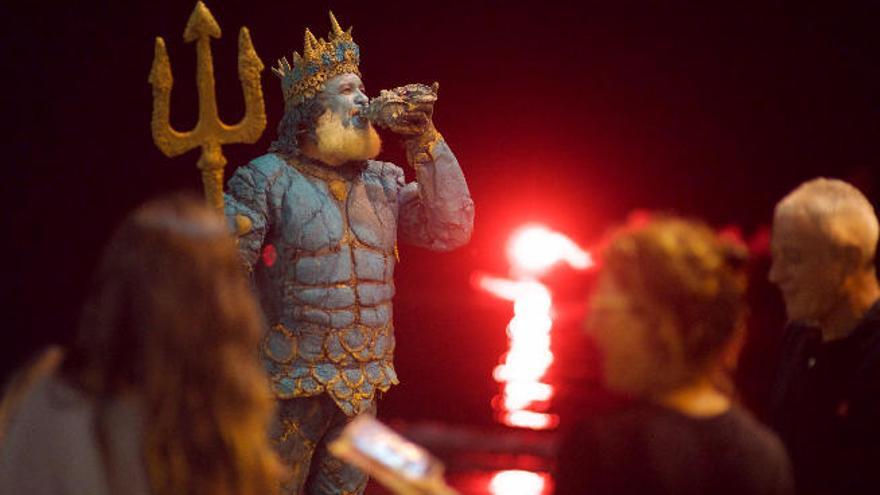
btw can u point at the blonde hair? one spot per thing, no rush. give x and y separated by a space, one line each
172 318
840 212
690 287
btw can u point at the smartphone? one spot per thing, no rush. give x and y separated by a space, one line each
399 464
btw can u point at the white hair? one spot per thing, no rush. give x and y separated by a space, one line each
840 211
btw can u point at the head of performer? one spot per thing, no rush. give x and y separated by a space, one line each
669 308
171 325
324 102
823 244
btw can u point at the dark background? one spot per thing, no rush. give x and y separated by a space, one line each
572 116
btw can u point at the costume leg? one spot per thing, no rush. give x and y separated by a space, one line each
330 475
299 426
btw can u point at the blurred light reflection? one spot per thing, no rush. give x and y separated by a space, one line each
516 482
532 250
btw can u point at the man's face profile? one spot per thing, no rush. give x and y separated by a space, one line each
342 133
344 96
806 268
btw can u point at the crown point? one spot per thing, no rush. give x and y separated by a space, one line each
321 59
309 45
335 29
283 67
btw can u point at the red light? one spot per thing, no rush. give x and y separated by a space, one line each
520 395
516 482
269 255
533 250
530 419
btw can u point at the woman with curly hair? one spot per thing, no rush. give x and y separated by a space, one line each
162 392
667 316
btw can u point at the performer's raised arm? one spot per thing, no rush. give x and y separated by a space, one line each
436 211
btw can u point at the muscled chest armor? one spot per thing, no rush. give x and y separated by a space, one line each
335 252
325 281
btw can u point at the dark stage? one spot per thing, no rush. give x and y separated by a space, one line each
568 116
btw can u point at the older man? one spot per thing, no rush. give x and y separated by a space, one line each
826 400
319 222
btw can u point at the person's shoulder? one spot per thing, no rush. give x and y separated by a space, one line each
259 174
269 164
760 453
753 435
872 332
53 405
632 421
796 334
50 421
660 427
50 445
797 340
868 354
864 349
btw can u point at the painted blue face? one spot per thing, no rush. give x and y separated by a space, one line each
344 96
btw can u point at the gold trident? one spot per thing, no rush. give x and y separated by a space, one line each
210 132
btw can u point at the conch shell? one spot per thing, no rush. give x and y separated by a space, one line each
392 107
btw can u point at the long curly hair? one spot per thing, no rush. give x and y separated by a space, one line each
683 273
172 318
299 122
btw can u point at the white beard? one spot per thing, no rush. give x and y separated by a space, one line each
338 144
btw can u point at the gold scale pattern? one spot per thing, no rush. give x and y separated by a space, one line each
350 366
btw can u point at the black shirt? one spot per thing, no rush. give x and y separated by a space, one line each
649 449
826 408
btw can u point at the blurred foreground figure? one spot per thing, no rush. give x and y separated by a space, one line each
826 400
667 316
162 393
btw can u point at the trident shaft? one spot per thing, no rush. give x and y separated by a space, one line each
210 132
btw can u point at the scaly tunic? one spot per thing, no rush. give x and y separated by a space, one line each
323 250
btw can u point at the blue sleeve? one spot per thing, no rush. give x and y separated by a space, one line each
249 195
436 211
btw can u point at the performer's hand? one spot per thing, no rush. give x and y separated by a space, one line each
405 110
408 111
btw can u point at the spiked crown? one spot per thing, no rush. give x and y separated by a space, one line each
320 61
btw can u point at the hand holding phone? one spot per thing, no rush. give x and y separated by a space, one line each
401 465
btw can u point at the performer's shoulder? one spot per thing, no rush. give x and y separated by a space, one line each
263 171
268 164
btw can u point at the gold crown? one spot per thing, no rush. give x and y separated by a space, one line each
320 61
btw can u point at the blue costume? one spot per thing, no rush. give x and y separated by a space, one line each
321 238
327 293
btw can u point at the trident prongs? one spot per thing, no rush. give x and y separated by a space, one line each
210 132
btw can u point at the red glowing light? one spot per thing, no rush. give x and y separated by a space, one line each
520 395
270 255
534 249
517 482
530 419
